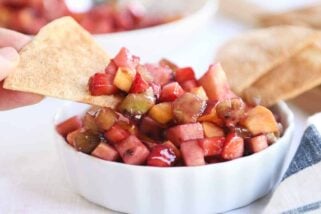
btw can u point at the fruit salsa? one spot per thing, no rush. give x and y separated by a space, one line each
28 16
168 118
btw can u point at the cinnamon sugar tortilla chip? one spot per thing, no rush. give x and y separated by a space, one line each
295 76
58 62
249 56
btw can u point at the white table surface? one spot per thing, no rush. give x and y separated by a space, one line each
31 177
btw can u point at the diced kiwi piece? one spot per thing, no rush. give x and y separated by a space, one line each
86 141
105 118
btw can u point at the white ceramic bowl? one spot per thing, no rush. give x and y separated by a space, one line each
153 42
203 189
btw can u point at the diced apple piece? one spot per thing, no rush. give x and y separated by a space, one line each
86 141
184 74
192 153
258 143
105 118
151 128
200 92
102 84
212 130
231 111
105 152
139 85
233 147
188 108
161 156
212 146
132 150
124 78
171 92
215 83
260 120
69 125
161 74
116 134
185 132
125 59
189 85
161 112
138 104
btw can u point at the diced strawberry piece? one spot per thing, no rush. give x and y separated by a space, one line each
212 146
185 132
233 147
151 128
184 74
69 125
111 68
188 107
116 134
132 150
105 152
258 143
102 84
161 75
215 83
125 59
161 156
139 85
189 85
174 148
192 153
171 92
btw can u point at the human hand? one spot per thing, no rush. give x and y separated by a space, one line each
10 43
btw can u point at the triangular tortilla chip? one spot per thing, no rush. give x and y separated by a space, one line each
249 56
58 63
295 76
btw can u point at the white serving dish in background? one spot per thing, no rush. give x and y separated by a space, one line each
155 42
203 189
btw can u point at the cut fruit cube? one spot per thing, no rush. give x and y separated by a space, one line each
189 85
69 125
139 85
184 74
89 120
231 111
102 84
200 92
192 153
260 120
212 146
166 62
71 136
161 74
86 141
161 156
258 143
138 104
180 133
174 148
132 150
171 92
162 112
211 116
105 118
233 147
188 108
151 128
116 134
215 83
124 78
105 152
212 130
125 59
111 68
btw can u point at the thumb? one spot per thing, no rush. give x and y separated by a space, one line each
9 59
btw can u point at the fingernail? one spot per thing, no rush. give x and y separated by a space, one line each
9 54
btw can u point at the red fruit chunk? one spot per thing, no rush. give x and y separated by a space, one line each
151 128
116 134
111 68
161 74
105 152
125 59
189 85
156 89
101 84
184 74
185 132
171 92
212 146
139 85
192 153
188 107
174 148
71 137
258 143
161 156
231 111
69 125
132 150
215 83
233 147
